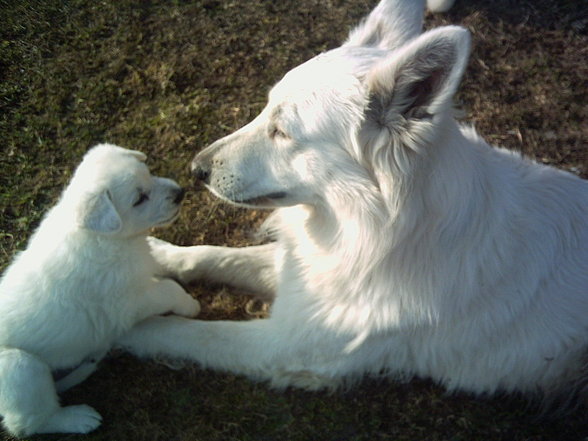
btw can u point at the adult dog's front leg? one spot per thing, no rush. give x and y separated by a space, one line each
259 349
249 268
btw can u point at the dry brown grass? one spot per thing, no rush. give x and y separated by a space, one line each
168 78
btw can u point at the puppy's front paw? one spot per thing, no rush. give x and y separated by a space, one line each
188 307
72 419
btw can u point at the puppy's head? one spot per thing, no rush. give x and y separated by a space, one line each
112 192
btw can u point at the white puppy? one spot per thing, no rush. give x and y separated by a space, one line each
86 278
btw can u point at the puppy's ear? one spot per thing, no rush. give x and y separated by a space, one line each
419 80
97 213
106 149
391 24
137 155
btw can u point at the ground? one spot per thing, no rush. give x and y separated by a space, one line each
170 77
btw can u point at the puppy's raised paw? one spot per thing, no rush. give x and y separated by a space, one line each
189 307
160 248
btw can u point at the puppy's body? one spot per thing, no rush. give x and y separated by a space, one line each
85 279
405 244
86 263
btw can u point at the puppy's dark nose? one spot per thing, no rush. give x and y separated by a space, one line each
179 195
201 171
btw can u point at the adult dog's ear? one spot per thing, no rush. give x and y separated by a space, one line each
97 213
390 24
418 81
408 93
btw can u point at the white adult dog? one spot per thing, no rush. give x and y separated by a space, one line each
86 277
404 244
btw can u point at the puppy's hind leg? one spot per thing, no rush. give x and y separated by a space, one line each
29 402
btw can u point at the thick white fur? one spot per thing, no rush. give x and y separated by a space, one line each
404 244
86 277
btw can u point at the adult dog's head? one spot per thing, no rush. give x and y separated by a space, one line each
366 109
112 192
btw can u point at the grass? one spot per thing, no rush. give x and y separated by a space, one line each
170 77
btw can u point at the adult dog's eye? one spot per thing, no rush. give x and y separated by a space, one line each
143 197
276 132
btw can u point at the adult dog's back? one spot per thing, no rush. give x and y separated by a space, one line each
404 244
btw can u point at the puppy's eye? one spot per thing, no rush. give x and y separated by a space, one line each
143 197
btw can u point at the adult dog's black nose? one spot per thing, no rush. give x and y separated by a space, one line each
200 172
204 162
201 168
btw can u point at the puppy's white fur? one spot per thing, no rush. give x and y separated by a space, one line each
86 278
405 244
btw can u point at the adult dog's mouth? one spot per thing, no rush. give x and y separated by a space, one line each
263 199
267 199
